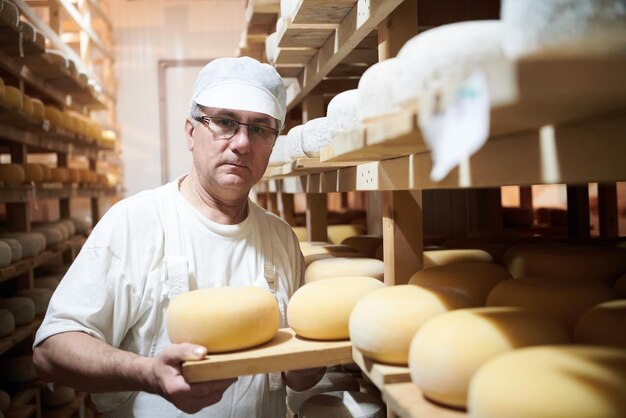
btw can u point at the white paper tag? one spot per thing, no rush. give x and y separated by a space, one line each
461 128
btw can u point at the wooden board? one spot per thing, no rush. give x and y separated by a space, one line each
323 11
407 401
285 351
380 374
299 56
304 35
304 166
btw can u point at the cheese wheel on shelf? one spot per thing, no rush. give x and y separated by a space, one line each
562 299
40 297
338 233
278 155
321 310
620 286
22 309
294 143
223 319
53 235
61 227
343 405
13 98
55 116
342 267
342 114
16 248
33 172
27 105
271 47
551 381
47 176
476 280
603 324
18 369
365 244
320 252
69 226
7 323
311 258
82 225
375 94
39 111
384 321
448 349
61 395
5 401
443 257
12 173
6 255
59 174
32 243
315 136
332 381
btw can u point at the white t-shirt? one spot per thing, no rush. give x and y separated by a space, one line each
115 288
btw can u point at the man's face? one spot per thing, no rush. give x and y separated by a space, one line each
229 167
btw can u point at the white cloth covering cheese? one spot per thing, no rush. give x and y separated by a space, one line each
116 291
342 114
315 136
375 93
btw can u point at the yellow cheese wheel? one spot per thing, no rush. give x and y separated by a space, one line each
223 319
39 111
59 175
338 233
495 248
55 116
620 286
18 369
550 382
7 323
13 98
603 324
22 309
342 267
447 350
444 257
562 299
300 232
321 310
27 105
319 252
474 279
597 263
61 395
332 381
12 173
33 172
68 121
365 244
40 297
47 175
383 322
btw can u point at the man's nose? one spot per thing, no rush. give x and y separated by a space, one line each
241 142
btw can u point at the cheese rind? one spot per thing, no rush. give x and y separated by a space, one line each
342 267
315 136
365 244
7 323
6 254
603 324
375 94
12 173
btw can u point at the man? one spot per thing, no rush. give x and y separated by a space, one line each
104 330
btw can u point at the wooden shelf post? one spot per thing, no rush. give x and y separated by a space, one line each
578 224
607 210
316 219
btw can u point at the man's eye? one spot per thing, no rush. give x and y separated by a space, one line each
226 123
256 129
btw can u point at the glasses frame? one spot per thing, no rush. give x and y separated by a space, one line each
207 121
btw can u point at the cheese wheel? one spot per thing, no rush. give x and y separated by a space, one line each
620 286
59 174
311 258
7 323
495 248
365 244
223 319
13 98
580 26
5 401
383 322
27 105
332 381
18 369
12 173
338 233
16 248
33 172
69 226
294 143
476 280
61 395
39 111
32 243
315 136
343 405
447 350
55 116
47 176
6 255
271 47
81 225
278 155
596 263
74 175
603 324
375 94
551 381
445 257
22 309
320 252
321 310
40 297
53 235
342 114
342 267
562 299
61 227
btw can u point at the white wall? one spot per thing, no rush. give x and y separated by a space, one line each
146 31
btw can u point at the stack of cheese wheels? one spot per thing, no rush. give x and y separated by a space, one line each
18 369
580 26
271 47
445 55
562 299
61 395
7 322
342 114
342 267
223 319
596 263
33 173
375 94
365 244
383 322
603 324
447 350
16 248
294 143
315 136
54 235
33 243
22 309
475 280
5 401
320 252
321 310
6 254
338 233
551 381
13 98
620 286
435 258
40 297
55 116
12 174
279 154
343 405
332 381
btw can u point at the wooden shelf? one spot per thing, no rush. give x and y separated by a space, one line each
303 166
19 335
65 411
294 35
380 374
323 11
407 401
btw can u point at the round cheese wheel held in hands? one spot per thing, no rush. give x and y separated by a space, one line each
224 318
384 321
603 324
321 310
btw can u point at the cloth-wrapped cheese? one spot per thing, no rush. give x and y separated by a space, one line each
375 93
315 136
342 114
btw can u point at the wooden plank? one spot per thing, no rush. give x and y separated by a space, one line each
304 35
408 401
285 351
289 70
397 29
607 210
292 56
18 335
380 374
323 11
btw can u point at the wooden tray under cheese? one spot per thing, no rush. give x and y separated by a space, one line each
286 351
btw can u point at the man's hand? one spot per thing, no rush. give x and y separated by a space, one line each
303 379
170 383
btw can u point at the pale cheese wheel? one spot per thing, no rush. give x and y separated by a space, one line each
271 47
16 248
22 308
277 157
476 280
223 319
375 93
7 323
61 395
315 136
579 26
342 114
33 172
383 322
620 286
332 381
27 105
447 350
39 111
494 248
6 255
321 310
40 297
55 116
595 263
444 257
13 98
343 405
294 143
32 243
562 299
342 267
12 173
81 225
69 226
300 232
320 252
61 227
551 381
53 235
365 244
603 324
338 233
5 401
18 369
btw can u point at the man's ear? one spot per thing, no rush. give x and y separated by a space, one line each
189 134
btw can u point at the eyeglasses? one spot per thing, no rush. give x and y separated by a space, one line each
224 128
